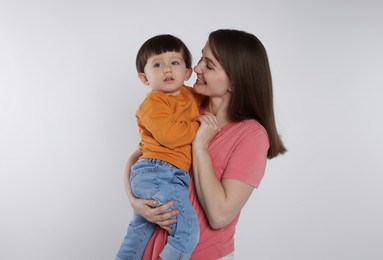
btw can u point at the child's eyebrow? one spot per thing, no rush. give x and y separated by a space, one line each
155 59
177 57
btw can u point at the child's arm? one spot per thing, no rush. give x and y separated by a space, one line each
157 116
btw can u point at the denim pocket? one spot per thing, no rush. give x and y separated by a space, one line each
181 178
144 181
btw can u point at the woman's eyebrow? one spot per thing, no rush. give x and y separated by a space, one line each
208 59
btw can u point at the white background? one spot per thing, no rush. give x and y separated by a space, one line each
69 92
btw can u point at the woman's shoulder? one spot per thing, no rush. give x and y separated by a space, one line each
246 132
250 131
250 125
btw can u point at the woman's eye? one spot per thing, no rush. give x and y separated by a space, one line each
207 64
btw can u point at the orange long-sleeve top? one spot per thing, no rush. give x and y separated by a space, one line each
167 128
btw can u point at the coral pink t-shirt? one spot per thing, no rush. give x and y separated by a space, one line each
239 151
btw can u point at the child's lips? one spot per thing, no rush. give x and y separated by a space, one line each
168 79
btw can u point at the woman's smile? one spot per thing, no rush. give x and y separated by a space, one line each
200 81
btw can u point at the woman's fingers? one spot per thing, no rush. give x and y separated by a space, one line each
207 130
208 120
158 215
167 228
168 222
151 203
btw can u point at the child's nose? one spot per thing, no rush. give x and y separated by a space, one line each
167 69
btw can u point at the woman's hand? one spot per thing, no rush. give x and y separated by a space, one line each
157 215
148 208
207 130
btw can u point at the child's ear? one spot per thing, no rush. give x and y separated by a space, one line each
143 78
188 73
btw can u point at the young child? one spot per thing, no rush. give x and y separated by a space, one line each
166 126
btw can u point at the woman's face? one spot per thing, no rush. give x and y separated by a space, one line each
212 80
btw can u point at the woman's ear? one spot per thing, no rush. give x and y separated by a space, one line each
143 78
188 73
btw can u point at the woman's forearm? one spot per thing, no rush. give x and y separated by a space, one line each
210 191
148 209
131 160
221 200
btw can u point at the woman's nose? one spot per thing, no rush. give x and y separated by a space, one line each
197 68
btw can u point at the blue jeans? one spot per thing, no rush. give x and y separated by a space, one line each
161 181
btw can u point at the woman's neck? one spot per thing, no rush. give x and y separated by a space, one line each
219 108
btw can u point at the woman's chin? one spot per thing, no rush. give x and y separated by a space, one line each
197 88
198 85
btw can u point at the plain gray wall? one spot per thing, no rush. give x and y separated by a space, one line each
69 92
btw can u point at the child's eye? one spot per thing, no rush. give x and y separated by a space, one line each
175 63
157 65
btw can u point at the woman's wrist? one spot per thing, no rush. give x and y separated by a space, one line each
199 146
131 198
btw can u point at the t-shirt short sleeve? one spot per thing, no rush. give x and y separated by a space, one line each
248 159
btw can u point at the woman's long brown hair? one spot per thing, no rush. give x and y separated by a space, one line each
244 58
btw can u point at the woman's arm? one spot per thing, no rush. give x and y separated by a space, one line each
221 200
147 208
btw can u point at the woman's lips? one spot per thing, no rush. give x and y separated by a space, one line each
200 81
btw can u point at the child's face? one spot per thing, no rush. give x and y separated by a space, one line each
166 73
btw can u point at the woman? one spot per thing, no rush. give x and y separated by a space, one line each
237 135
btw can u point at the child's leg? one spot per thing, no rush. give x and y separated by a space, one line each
136 239
185 233
144 184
